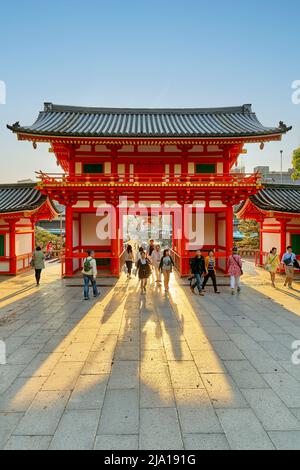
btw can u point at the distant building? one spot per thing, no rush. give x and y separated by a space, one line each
26 181
275 177
239 169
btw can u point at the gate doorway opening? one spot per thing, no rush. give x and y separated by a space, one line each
139 229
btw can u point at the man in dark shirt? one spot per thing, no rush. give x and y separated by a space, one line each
198 270
151 247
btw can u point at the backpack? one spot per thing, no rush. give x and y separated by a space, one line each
87 265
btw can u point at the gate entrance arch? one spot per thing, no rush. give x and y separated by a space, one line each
178 158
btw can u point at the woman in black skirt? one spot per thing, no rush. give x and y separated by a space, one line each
144 270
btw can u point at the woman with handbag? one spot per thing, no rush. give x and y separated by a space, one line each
273 261
38 263
144 270
235 269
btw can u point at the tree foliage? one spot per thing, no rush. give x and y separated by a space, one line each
42 237
296 164
250 230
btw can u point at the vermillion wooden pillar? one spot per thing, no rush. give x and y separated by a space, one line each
261 241
183 245
33 222
69 240
283 243
12 247
229 232
115 241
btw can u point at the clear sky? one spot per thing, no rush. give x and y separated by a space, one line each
142 53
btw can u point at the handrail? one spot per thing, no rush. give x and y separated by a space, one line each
155 178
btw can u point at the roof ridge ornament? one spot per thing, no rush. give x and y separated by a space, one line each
48 107
284 127
247 108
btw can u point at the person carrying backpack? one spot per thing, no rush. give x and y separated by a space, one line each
89 272
289 262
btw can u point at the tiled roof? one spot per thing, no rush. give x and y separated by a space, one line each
122 122
277 198
20 197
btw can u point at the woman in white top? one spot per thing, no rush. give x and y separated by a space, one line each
129 258
166 267
155 259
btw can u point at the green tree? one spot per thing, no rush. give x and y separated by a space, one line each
42 237
296 164
250 230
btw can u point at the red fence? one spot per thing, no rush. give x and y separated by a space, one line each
238 179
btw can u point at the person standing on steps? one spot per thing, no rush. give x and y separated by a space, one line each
235 270
38 263
210 268
89 272
144 270
199 271
129 259
272 264
155 260
166 267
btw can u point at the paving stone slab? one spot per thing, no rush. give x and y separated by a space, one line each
160 430
44 414
271 411
288 440
8 423
243 430
205 442
244 374
26 443
117 442
76 431
89 392
19 396
196 413
223 391
286 387
63 377
120 412
124 374
185 375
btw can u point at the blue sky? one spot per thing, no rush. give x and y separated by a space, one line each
147 53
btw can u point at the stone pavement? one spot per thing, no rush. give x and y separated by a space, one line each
148 372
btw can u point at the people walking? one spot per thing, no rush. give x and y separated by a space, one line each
166 267
210 268
139 254
129 259
38 263
144 270
151 247
198 271
288 261
89 272
155 260
273 262
235 270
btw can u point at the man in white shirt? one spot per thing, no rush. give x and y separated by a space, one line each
155 260
89 272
